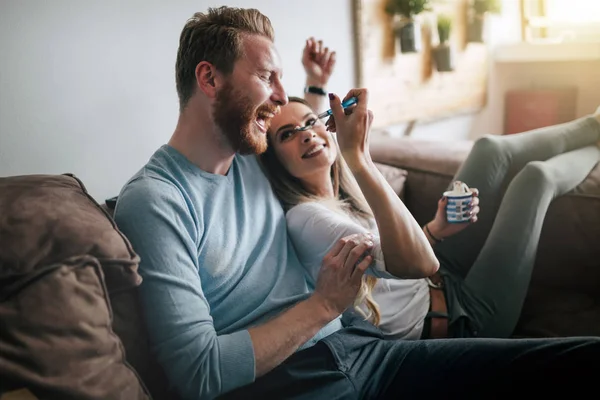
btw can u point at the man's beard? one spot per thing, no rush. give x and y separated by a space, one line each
234 113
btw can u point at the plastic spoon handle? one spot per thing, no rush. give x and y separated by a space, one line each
345 104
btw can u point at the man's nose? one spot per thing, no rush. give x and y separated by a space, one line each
279 95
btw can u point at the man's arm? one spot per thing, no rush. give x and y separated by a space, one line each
279 338
338 282
197 361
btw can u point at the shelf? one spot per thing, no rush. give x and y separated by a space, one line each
544 52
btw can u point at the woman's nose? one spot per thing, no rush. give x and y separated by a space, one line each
308 135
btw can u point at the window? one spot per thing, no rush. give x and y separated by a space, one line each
560 20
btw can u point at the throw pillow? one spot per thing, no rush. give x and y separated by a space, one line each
56 337
46 219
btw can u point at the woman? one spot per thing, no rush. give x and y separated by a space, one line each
485 271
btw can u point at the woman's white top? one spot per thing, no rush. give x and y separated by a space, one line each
315 228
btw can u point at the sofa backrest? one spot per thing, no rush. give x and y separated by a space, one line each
430 167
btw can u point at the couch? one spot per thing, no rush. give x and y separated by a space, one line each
71 324
564 294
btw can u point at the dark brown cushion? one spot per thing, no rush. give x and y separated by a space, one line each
56 338
45 219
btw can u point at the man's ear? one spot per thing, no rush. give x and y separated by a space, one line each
206 78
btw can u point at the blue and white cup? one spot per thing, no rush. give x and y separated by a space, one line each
458 207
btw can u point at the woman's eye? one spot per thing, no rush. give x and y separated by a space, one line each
310 122
286 135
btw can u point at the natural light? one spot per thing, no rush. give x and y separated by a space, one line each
562 20
573 11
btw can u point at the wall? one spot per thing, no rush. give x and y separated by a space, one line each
88 86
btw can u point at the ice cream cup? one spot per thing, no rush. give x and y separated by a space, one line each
458 207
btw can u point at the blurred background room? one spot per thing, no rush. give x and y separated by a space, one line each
88 87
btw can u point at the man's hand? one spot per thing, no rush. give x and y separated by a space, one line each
441 228
318 63
338 282
341 274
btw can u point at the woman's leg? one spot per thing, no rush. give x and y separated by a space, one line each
491 163
498 281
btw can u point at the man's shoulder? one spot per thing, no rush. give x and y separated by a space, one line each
146 192
153 185
148 186
160 177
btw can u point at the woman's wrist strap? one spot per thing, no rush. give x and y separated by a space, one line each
430 234
315 90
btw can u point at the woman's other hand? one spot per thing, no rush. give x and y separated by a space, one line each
318 63
441 228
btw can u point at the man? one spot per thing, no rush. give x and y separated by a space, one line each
228 306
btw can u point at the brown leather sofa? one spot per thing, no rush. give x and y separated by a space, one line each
564 295
71 325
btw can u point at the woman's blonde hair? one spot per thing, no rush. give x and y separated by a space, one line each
349 200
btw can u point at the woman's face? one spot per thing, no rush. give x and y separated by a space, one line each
302 153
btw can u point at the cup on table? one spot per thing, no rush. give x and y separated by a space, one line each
458 207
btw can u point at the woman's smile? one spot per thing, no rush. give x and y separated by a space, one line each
315 150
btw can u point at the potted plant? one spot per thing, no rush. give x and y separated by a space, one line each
479 8
408 29
442 54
